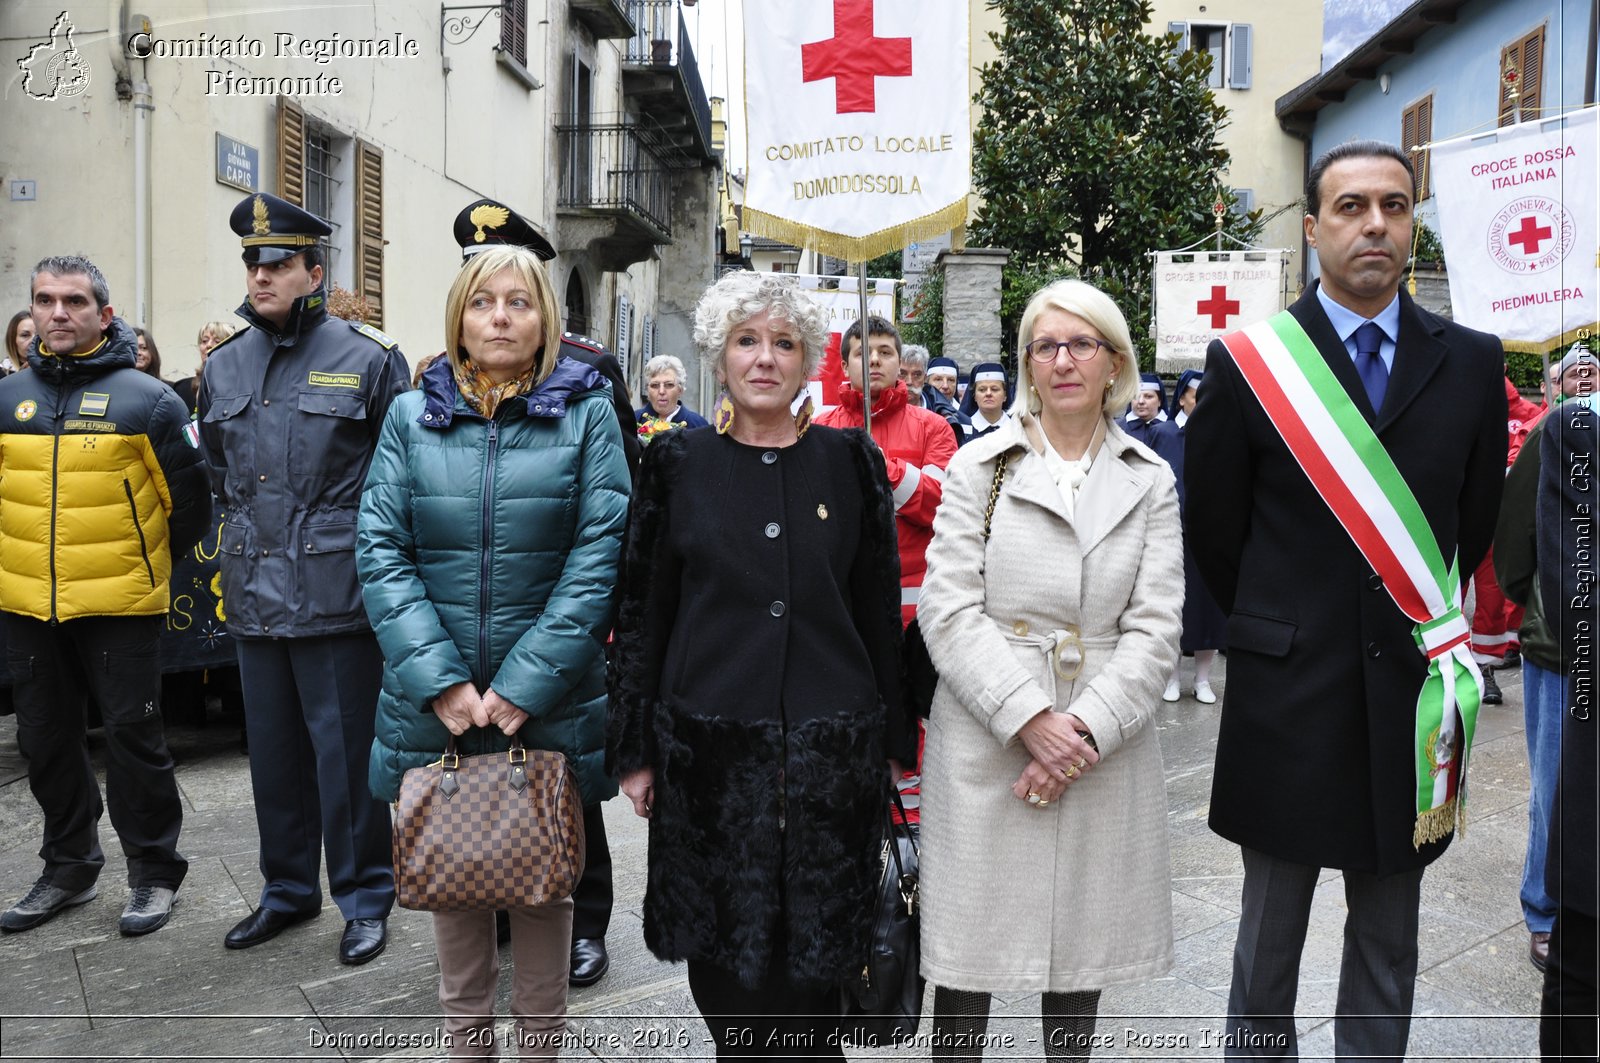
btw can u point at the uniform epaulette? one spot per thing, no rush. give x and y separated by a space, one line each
387 342
223 343
585 342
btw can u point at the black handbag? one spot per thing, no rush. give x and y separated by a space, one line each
921 677
882 1005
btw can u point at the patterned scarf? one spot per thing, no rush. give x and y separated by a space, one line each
483 394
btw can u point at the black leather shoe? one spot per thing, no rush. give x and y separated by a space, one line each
1491 689
589 962
263 924
363 939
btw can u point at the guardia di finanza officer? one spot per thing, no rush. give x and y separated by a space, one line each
289 412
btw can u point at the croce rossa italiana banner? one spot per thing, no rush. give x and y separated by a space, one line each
857 123
1517 217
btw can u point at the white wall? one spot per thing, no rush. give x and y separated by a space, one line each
446 139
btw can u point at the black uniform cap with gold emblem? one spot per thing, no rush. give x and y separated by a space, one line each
488 223
273 229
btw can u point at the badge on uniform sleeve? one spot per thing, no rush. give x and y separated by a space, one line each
26 409
191 434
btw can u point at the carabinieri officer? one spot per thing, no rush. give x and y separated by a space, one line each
289 414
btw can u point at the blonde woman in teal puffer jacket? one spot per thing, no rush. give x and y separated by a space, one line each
487 549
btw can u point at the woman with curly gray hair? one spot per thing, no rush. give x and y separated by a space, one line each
762 771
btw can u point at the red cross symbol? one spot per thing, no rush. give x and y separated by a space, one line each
1530 236
854 58
1219 306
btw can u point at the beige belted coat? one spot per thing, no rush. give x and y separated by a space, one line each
1076 895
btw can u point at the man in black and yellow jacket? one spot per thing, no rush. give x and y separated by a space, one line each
101 483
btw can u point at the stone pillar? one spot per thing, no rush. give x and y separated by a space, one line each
972 304
1433 291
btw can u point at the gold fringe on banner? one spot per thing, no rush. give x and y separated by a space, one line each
1530 347
856 248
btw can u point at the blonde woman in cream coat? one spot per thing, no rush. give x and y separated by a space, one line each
1044 842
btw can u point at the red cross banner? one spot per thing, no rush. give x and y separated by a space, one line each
1202 294
1518 221
858 133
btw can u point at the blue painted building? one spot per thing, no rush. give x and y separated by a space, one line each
1434 72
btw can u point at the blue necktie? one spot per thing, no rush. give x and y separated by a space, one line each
1374 374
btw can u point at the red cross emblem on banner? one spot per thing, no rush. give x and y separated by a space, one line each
1219 306
1530 235
854 58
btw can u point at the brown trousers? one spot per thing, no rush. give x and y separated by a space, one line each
469 971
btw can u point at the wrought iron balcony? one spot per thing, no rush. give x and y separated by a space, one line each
620 169
605 18
659 71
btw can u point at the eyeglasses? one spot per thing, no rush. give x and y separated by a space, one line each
1082 348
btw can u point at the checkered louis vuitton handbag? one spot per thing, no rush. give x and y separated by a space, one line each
488 832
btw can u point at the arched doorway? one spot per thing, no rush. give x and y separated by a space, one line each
577 308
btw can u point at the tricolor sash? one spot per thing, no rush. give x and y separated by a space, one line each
1347 465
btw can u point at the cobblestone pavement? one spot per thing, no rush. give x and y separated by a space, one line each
74 989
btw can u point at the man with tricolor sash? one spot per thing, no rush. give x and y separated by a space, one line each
1352 449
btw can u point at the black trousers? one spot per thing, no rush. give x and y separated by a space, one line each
1377 975
591 901
1568 1019
777 1020
309 705
54 669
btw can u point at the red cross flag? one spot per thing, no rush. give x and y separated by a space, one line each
1202 294
857 125
1518 222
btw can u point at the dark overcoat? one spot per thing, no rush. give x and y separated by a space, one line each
1315 756
1568 509
757 673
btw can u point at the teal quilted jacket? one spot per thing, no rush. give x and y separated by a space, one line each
487 551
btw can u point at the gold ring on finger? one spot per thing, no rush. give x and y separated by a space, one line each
1033 798
1043 802
1080 763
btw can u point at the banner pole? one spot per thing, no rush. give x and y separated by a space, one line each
866 379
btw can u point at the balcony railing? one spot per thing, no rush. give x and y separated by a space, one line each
619 168
661 39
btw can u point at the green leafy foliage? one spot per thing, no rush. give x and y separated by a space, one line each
928 328
1428 248
1097 143
1524 369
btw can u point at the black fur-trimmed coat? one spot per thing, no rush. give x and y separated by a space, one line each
757 672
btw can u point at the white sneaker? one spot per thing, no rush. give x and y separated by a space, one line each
1172 691
1204 695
